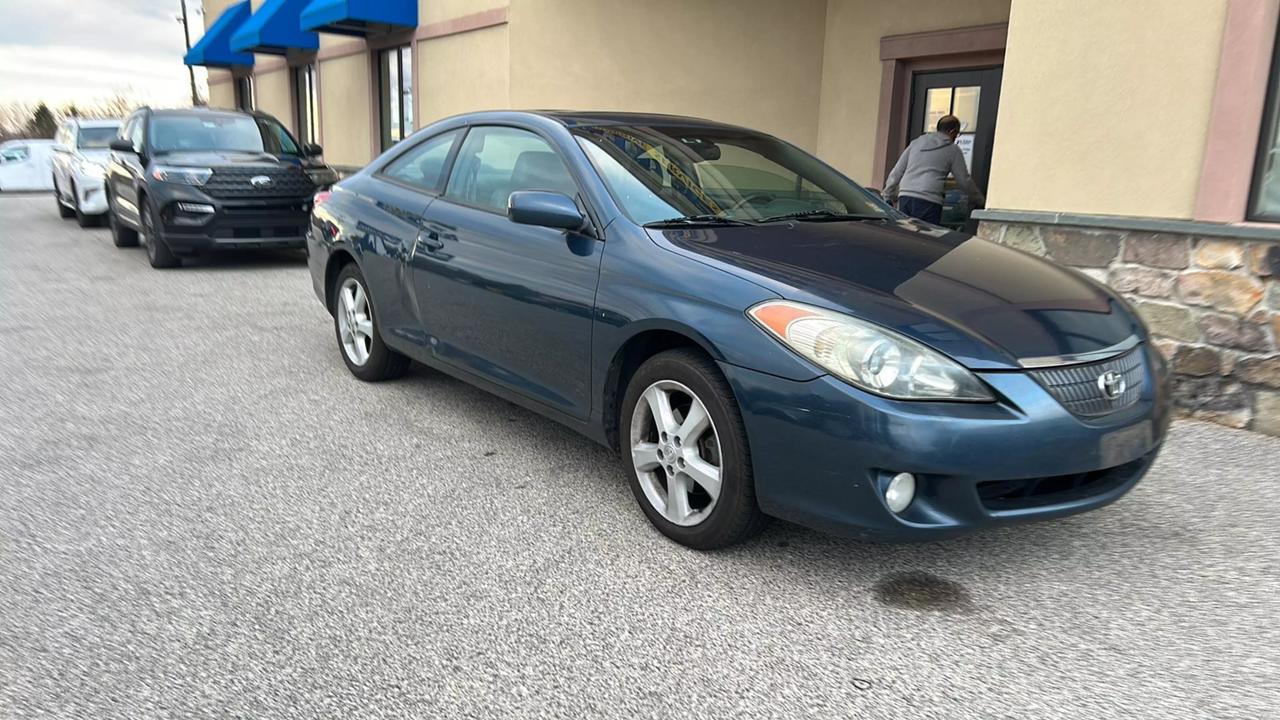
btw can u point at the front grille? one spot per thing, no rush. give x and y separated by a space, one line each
1039 492
1076 386
236 182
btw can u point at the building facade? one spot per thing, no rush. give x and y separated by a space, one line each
1133 140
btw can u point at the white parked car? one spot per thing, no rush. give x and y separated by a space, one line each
80 158
26 165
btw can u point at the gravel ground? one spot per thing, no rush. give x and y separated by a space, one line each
202 514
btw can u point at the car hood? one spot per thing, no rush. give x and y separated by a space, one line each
215 158
986 305
98 156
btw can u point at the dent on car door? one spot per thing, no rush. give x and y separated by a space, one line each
387 238
511 303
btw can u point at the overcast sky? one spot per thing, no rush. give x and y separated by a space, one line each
62 51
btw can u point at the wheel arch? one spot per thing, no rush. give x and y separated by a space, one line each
647 340
338 259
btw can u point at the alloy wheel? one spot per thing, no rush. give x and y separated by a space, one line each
676 453
355 322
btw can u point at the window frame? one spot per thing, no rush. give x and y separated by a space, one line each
306 101
1270 118
243 91
404 54
445 170
579 197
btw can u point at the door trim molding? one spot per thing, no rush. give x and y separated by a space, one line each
902 56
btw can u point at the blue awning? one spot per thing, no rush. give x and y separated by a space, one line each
360 17
214 49
274 30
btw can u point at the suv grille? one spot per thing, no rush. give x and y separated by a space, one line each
1077 387
236 182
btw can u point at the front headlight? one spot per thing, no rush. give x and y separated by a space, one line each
181 175
868 356
92 170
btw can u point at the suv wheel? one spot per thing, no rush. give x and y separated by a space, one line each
690 462
158 252
64 212
121 234
359 341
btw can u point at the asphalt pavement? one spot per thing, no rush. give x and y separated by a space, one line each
202 514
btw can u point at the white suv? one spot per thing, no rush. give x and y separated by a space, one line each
79 159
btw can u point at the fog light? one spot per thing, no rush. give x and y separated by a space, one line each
195 207
901 491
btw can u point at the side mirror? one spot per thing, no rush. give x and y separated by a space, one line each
545 209
121 145
312 150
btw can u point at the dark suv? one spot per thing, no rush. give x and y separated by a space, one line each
195 180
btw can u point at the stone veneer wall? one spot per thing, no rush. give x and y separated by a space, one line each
1213 305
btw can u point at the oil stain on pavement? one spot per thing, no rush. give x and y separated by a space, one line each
922 591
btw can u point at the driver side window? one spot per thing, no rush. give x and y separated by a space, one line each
135 133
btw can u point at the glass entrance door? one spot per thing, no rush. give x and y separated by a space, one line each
972 96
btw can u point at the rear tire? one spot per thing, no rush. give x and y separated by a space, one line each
64 212
701 514
355 326
121 234
158 252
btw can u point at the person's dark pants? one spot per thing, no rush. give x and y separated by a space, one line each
929 212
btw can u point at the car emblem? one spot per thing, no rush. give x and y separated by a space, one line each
260 181
1112 384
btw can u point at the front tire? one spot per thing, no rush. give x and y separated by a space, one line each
359 341
690 461
158 252
121 234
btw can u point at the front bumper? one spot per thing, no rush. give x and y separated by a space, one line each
223 224
90 193
822 452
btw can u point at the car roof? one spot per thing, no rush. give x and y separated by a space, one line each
586 118
100 122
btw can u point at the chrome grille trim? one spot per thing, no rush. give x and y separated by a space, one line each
1076 386
1045 361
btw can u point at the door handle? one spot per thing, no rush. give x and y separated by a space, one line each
430 239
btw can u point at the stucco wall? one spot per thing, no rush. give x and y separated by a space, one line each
851 69
1105 105
344 109
222 93
271 95
212 11
463 73
752 62
434 11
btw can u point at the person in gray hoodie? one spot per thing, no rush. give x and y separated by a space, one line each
916 181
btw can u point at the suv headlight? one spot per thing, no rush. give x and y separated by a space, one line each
181 175
91 169
868 356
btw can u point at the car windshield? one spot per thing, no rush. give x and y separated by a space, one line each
220 132
97 137
688 175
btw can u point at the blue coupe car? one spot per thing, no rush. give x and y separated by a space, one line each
758 335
